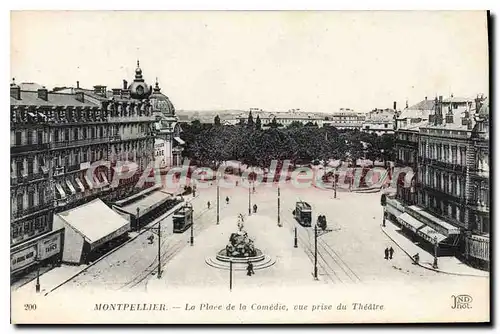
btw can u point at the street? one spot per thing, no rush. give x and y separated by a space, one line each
352 253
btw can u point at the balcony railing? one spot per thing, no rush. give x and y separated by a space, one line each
117 138
80 142
129 119
18 179
28 148
27 211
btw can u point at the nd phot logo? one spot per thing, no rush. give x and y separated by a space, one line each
461 301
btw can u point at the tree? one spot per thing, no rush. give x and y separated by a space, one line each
258 123
250 122
217 120
274 124
295 124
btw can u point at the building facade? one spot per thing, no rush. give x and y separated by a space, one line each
449 188
55 139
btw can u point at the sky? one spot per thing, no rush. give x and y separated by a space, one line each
315 61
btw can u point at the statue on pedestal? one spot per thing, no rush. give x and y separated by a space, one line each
240 245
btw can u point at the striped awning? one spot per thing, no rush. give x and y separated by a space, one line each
80 185
409 222
60 190
70 186
430 234
89 182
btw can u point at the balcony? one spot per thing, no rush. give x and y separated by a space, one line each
34 209
125 137
444 195
132 119
16 149
81 142
27 178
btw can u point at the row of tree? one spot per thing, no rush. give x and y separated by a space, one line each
250 143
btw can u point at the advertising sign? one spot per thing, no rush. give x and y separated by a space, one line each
49 246
23 258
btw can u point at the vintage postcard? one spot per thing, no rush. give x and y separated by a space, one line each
171 167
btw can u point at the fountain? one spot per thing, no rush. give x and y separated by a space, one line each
240 250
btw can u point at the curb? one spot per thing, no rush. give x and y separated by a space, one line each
143 230
426 267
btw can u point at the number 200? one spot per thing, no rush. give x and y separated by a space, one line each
29 307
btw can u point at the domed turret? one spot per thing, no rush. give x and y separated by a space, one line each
160 102
138 88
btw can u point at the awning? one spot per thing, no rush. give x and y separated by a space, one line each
392 210
438 224
109 224
80 185
89 182
147 203
31 114
410 222
179 140
70 186
430 234
60 190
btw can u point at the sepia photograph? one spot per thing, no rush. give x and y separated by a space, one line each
250 167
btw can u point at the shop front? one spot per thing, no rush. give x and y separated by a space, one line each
41 250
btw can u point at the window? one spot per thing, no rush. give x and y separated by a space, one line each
56 135
66 161
31 199
20 202
75 133
30 166
41 196
101 132
30 137
39 137
84 133
18 138
66 135
92 132
85 156
19 168
385 125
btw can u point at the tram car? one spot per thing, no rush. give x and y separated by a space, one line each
303 213
183 219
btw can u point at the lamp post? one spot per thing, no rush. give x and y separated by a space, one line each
435 264
316 252
295 239
217 199
230 275
335 184
192 225
159 250
137 220
37 286
249 199
279 217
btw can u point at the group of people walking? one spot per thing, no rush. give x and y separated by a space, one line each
388 253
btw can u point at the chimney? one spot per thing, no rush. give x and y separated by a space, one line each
117 91
426 98
394 105
15 92
78 85
79 97
125 86
43 94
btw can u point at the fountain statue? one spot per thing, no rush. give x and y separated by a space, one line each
240 245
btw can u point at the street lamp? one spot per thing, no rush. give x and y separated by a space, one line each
218 175
37 286
249 199
335 184
279 217
190 207
137 220
435 264
317 233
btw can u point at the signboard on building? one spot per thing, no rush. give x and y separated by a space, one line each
23 258
49 246
84 165
160 152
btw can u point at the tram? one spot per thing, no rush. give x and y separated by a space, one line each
303 213
183 219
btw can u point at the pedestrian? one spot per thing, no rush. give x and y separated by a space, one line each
227 199
391 251
208 205
255 208
253 189
386 253
416 258
250 269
